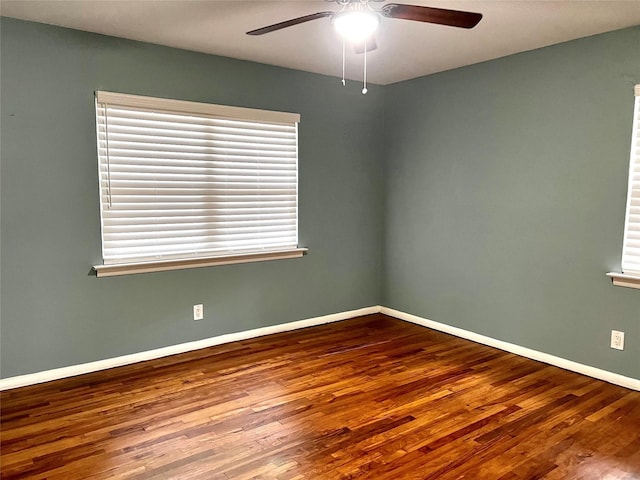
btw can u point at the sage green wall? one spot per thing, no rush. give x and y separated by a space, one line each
506 186
495 200
54 313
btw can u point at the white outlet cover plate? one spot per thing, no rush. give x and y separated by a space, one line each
198 312
617 340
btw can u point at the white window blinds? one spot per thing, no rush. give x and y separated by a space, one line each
631 247
182 180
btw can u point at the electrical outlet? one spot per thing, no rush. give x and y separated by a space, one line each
198 312
617 340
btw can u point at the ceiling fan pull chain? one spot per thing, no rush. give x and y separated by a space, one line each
364 88
344 83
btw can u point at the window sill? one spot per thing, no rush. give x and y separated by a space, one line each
164 265
624 279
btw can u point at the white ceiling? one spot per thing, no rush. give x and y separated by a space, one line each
405 50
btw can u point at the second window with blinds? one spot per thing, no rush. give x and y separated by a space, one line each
187 184
630 276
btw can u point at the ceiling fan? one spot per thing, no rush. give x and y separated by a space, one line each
357 20
440 16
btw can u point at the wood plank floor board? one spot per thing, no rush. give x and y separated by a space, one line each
368 398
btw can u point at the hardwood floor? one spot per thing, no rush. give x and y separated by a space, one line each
372 397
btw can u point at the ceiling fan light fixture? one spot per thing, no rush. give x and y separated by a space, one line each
356 26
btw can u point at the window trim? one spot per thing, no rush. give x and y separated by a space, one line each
115 269
624 280
205 259
185 106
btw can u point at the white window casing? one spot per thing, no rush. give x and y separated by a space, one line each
185 184
630 276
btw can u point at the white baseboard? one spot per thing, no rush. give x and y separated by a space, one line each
73 370
615 378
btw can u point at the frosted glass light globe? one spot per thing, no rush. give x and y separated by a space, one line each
356 27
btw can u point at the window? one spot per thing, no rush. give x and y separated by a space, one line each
186 184
631 247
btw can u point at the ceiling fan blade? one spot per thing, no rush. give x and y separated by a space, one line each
289 23
370 44
452 18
